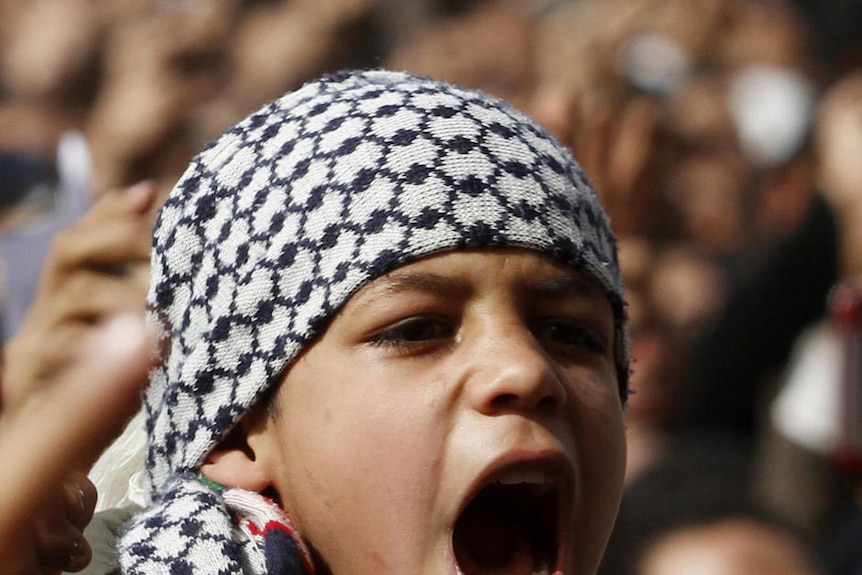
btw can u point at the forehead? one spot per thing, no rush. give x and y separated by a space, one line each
524 272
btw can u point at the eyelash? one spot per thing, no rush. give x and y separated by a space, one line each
399 334
416 332
574 333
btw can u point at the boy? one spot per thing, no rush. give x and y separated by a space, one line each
393 342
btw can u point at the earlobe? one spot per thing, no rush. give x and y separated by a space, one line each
241 459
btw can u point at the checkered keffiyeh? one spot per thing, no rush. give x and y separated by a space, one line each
279 221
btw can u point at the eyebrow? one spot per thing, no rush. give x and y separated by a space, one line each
399 281
565 285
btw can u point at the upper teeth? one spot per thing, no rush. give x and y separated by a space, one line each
535 477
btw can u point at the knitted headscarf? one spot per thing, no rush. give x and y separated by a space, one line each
277 223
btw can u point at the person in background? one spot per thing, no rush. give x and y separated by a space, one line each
695 511
814 473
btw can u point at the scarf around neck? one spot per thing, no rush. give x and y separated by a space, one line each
198 529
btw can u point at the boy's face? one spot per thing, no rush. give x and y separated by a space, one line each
460 415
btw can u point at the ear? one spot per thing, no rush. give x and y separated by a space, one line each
241 459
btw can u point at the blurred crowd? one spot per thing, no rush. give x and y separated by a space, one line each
723 136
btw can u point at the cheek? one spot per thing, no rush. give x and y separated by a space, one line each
601 449
362 470
604 451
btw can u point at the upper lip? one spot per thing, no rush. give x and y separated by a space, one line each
556 466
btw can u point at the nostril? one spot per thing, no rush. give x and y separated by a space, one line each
514 402
504 401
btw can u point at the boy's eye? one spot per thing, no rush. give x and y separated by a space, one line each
414 330
571 334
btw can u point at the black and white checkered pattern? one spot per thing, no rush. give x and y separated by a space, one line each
276 224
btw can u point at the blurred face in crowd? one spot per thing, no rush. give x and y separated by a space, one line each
461 414
710 178
732 547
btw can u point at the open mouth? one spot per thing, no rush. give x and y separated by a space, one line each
510 527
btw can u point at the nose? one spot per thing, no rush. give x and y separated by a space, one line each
511 373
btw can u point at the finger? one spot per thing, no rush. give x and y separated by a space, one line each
133 200
107 244
133 207
89 296
632 147
593 115
41 441
79 497
62 548
80 556
551 106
